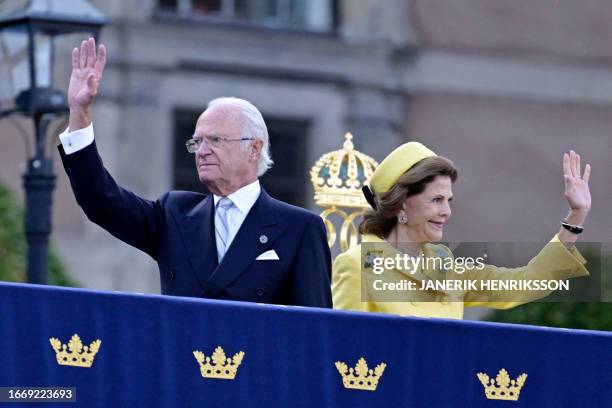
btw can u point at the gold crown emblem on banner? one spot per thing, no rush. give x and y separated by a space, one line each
221 367
360 378
505 389
76 354
337 177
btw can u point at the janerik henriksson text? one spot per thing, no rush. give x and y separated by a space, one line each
449 285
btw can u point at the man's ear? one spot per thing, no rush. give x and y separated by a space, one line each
256 148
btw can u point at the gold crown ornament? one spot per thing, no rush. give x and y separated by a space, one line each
505 389
219 366
361 377
337 178
75 354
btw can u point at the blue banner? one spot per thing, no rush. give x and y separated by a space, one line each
127 350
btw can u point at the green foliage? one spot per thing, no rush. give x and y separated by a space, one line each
592 316
13 245
575 315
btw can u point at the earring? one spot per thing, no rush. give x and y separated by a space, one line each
402 218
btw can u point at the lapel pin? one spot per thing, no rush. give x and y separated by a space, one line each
263 239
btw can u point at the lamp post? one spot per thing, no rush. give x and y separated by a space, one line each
29 32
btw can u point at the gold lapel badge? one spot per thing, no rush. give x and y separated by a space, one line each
360 377
505 389
222 367
75 354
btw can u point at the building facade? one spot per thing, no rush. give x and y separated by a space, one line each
501 88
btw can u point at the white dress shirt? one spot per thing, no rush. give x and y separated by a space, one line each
243 199
72 142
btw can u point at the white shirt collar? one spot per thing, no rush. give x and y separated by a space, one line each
244 198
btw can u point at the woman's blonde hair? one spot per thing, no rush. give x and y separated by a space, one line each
381 220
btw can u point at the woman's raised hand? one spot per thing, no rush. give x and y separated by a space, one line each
577 190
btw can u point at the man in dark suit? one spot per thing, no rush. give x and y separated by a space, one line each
237 243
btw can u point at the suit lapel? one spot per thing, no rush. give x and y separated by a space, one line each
247 245
199 234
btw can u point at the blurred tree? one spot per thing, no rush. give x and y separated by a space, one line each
592 316
575 315
13 245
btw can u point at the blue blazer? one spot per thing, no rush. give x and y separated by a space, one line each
177 230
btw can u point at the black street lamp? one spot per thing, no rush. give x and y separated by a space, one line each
29 34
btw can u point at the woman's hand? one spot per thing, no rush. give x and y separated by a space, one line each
576 187
577 193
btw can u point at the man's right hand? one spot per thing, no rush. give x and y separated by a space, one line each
87 69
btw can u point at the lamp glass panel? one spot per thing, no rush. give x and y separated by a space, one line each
12 6
43 56
81 9
14 65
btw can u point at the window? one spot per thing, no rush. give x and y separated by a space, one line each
311 15
286 180
185 173
169 5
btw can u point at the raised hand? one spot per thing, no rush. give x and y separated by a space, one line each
577 190
87 70
577 194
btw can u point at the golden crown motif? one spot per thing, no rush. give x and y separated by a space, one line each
78 355
222 367
360 378
337 177
506 389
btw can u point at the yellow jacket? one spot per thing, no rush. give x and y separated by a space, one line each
554 261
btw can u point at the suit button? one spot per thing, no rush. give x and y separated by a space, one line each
260 292
172 275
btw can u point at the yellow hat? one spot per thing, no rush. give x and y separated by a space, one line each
397 163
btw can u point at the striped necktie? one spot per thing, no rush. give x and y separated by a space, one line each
222 225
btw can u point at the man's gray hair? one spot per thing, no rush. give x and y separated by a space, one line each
254 126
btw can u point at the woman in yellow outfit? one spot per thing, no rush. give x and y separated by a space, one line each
411 192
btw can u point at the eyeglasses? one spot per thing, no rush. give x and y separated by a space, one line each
212 141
